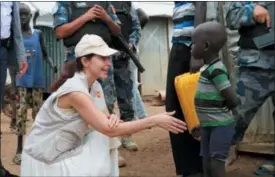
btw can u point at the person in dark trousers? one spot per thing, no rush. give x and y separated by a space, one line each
186 150
11 52
215 98
30 87
118 86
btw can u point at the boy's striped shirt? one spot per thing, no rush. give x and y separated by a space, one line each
183 20
210 105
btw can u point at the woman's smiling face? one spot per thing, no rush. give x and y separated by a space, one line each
98 66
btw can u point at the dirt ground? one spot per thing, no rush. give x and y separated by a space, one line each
154 157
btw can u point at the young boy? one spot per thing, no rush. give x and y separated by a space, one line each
215 98
31 85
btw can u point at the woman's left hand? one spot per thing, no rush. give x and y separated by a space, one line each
114 120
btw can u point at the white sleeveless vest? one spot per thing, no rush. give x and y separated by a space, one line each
55 135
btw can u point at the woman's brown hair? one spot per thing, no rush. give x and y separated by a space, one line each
69 69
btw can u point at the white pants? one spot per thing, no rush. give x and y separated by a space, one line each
96 159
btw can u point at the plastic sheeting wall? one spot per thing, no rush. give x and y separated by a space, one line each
154 55
56 51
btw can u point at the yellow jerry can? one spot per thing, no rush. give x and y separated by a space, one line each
186 86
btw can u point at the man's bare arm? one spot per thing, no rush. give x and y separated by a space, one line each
70 28
114 27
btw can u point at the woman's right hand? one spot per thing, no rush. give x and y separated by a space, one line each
168 122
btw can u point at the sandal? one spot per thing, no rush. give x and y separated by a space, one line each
265 169
17 159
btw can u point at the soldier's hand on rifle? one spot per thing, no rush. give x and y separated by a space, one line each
101 13
90 15
261 15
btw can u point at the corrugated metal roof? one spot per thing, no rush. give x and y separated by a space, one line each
161 9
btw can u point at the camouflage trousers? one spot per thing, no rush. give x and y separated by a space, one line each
118 87
28 98
254 87
9 104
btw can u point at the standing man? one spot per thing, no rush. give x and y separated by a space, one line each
11 51
186 150
257 69
120 79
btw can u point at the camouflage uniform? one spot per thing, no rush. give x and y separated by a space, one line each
12 71
28 98
109 89
9 102
256 72
118 86
216 11
120 77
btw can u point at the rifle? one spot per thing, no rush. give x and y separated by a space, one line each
121 44
268 38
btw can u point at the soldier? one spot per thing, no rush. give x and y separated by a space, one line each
121 71
256 72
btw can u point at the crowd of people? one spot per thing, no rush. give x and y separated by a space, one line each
77 123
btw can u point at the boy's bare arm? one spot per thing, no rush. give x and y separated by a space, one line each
221 81
230 97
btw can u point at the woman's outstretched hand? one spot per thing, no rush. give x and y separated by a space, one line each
168 122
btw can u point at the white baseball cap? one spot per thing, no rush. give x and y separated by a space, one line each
93 44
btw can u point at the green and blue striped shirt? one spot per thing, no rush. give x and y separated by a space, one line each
210 105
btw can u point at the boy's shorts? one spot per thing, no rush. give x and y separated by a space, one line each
216 141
